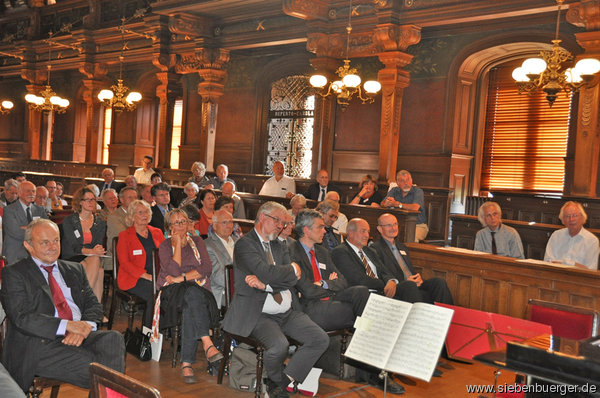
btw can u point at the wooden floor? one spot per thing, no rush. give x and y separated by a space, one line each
168 381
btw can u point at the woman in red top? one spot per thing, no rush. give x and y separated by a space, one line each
206 203
134 251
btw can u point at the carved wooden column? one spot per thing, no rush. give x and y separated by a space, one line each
394 79
587 141
87 145
36 78
167 92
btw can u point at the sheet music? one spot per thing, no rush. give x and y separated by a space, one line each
534 261
418 348
377 330
461 250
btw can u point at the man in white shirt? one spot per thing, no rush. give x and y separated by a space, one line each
219 245
144 173
573 245
279 185
342 221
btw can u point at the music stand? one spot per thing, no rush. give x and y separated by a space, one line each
474 332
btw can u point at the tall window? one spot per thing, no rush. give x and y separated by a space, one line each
176 138
525 139
106 129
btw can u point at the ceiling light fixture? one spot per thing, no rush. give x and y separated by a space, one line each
47 101
6 106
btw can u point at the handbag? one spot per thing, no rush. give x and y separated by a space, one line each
138 344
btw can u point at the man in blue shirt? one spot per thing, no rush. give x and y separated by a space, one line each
409 197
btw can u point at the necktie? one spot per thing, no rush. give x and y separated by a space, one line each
322 194
105 187
29 218
370 272
494 248
276 296
63 309
401 263
315 267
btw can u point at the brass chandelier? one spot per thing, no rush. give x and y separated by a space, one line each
551 73
47 101
349 81
6 106
119 98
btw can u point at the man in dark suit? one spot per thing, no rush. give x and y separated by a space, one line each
52 316
394 255
109 181
16 217
162 197
319 189
265 306
329 209
361 265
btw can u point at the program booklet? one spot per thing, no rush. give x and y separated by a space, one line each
400 337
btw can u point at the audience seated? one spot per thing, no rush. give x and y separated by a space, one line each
146 193
227 204
219 244
11 192
110 199
330 210
115 222
59 192
134 251
83 234
199 175
264 306
285 236
495 237
342 221
53 334
220 178
130 181
206 203
155 178
573 245
394 255
16 217
368 193
144 173
319 189
191 191
297 203
239 211
184 279
20 177
279 185
410 197
54 201
109 181
41 198
194 216
162 198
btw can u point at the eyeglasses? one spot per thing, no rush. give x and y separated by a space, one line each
395 224
278 220
179 223
89 200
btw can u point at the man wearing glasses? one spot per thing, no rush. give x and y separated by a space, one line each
573 245
265 305
144 173
162 197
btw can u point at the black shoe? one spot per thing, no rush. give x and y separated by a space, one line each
437 373
275 391
392 386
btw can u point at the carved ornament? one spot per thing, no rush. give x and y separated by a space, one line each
306 9
390 37
189 26
203 58
585 14
334 45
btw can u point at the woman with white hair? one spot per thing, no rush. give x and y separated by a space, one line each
191 190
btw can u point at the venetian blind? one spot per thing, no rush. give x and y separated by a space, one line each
525 140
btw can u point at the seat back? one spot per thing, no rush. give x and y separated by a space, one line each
108 383
115 258
567 321
228 285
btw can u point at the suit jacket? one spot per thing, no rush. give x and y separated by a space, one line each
14 236
117 186
132 256
71 242
158 220
219 257
249 258
389 260
27 299
353 268
312 293
239 210
314 190
115 224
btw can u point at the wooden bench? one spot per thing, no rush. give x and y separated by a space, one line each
55 167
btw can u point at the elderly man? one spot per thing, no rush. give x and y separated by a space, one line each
130 181
162 197
109 181
495 237
409 197
199 175
228 190
11 192
53 316
54 201
330 210
573 245
144 173
221 178
115 222
219 244
342 221
319 189
394 255
285 236
279 185
41 198
265 305
110 198
361 265
297 203
15 220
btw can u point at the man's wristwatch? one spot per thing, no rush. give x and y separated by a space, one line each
184 278
400 206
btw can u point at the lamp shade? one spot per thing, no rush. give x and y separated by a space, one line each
55 100
372 86
31 98
572 75
519 75
133 96
64 102
318 81
351 80
105 95
587 66
534 66
337 86
7 104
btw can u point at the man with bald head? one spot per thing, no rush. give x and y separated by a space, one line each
41 198
15 220
319 189
279 185
342 221
228 189
109 181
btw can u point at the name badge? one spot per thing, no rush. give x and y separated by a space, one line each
137 252
402 252
77 234
322 266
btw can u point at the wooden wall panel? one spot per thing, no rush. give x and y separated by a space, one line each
357 128
353 165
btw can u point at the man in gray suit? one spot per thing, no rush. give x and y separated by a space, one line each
265 305
219 245
16 218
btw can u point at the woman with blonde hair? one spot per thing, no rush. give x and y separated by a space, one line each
368 194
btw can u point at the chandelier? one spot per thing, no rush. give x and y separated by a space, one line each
349 83
47 101
6 106
118 97
551 73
